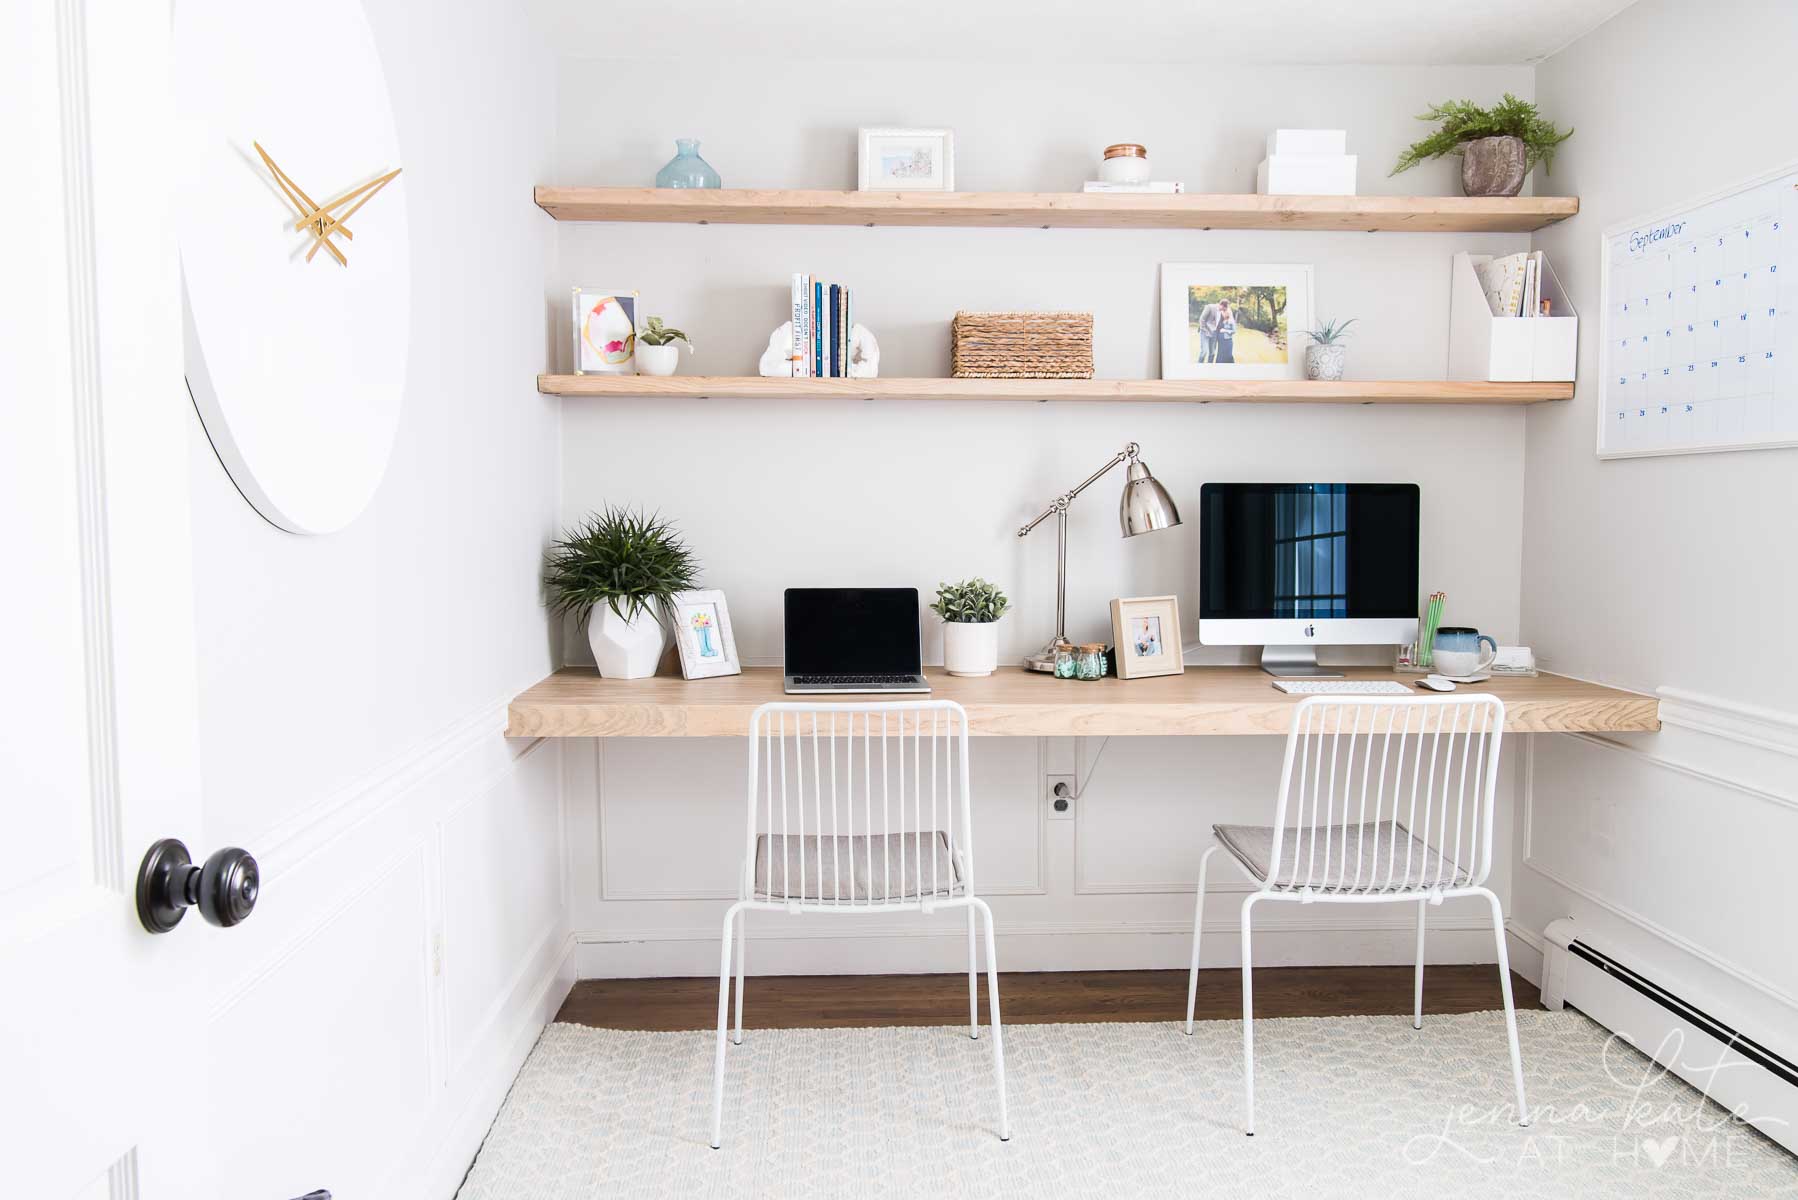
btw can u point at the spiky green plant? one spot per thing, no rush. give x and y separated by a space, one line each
972 601
658 334
621 558
1331 332
1464 121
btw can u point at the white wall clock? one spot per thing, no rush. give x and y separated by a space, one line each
295 262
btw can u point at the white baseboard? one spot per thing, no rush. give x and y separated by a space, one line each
942 947
439 1159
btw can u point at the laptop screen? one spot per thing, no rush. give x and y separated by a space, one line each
852 631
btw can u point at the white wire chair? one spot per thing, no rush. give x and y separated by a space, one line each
1381 801
858 808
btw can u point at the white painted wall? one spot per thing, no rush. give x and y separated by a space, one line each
1662 573
773 494
412 935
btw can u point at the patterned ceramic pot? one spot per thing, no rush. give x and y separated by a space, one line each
1324 362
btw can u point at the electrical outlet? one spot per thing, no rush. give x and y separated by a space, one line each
1058 794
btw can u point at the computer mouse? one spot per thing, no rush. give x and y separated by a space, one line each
1437 683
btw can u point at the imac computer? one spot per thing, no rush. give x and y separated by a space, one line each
1293 566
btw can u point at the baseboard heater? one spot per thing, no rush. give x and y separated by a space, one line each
1735 1070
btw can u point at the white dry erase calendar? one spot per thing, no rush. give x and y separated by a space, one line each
1700 325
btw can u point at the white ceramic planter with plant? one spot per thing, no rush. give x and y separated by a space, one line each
1326 356
616 572
1498 145
970 611
658 348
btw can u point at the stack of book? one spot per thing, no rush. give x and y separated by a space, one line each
822 322
1513 285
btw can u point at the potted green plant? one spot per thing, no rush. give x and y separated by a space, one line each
1498 145
970 611
1325 356
657 351
613 572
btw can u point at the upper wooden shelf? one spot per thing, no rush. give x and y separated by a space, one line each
1065 210
1190 391
575 702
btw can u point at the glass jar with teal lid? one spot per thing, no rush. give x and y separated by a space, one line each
686 169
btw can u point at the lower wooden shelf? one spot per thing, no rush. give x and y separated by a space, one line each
1172 391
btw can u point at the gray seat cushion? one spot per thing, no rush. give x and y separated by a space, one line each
870 867
1388 855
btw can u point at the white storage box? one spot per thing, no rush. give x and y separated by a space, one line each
1508 349
1331 143
1306 175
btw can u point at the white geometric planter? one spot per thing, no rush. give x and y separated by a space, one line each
625 649
970 648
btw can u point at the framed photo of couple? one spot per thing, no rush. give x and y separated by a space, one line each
1234 320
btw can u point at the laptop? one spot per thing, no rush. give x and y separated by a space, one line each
853 640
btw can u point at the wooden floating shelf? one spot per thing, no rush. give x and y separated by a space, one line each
1171 391
1062 210
575 702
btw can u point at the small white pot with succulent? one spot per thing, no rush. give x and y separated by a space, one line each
970 611
658 348
1326 355
614 572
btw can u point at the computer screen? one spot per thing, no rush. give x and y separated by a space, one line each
1299 551
852 631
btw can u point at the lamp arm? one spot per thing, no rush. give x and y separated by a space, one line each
1127 454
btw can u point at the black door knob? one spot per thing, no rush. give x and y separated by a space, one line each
225 887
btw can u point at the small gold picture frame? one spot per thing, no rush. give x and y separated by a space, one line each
1146 632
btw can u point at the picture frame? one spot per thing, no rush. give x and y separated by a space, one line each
605 327
1145 630
905 160
702 632
1267 306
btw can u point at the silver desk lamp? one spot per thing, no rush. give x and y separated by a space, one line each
1145 507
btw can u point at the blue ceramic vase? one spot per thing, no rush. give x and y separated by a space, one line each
686 169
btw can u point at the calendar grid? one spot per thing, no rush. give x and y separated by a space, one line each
1700 325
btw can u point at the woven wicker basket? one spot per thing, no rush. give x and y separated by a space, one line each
1056 345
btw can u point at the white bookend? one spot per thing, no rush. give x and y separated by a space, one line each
1508 349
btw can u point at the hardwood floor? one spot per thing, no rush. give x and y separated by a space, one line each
832 1001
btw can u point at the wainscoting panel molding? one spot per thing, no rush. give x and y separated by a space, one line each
437 884
1676 845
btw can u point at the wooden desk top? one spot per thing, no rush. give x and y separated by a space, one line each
576 702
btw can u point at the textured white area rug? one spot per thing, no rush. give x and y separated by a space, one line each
1346 1106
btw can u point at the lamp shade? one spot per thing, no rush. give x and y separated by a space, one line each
1146 506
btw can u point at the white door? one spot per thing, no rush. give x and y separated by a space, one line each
101 1023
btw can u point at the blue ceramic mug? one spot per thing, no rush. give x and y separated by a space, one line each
1456 651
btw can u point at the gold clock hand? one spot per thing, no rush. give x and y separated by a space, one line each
367 191
291 190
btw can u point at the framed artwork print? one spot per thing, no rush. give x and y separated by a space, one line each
703 634
906 160
1233 320
605 331
1146 632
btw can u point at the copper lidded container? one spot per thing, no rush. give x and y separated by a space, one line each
1125 162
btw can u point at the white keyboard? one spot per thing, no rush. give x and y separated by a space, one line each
1342 687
